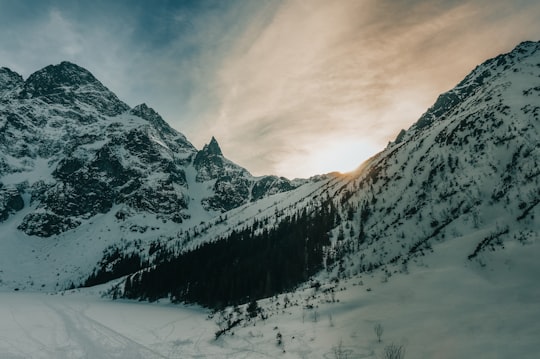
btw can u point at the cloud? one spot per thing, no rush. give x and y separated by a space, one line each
331 76
53 35
288 87
162 53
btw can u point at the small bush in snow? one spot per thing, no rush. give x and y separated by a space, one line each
339 351
394 351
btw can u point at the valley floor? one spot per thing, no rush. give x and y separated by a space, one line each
438 310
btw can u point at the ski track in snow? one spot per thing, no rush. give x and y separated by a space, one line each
93 337
69 333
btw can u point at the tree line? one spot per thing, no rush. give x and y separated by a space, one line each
246 265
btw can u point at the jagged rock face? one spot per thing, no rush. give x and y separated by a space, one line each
230 192
272 185
131 168
46 224
9 81
210 162
233 185
11 201
76 150
73 86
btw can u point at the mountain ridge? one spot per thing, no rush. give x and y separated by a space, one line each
93 151
475 79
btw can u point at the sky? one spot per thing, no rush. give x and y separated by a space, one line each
287 87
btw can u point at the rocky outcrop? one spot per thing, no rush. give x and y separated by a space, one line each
11 201
74 87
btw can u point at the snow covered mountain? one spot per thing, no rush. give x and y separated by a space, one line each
73 150
76 161
465 176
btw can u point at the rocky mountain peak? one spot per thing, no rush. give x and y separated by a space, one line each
9 80
213 148
209 161
53 78
211 152
148 113
527 47
70 84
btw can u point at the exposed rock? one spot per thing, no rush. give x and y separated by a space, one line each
72 86
11 201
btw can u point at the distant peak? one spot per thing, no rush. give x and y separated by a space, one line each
213 148
66 73
9 79
54 77
209 159
144 111
66 83
5 70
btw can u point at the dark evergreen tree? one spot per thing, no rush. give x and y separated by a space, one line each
244 266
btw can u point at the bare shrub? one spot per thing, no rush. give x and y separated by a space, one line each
394 351
339 351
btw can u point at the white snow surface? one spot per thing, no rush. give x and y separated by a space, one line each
441 309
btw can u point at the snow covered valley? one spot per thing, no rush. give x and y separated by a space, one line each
440 309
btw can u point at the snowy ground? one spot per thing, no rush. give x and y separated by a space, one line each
442 309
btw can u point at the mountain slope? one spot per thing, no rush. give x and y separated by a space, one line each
76 161
466 173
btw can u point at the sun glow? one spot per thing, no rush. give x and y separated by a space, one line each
340 155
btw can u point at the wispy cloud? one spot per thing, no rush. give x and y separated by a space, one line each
161 52
53 35
344 77
289 87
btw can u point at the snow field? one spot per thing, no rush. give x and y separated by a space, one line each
445 308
